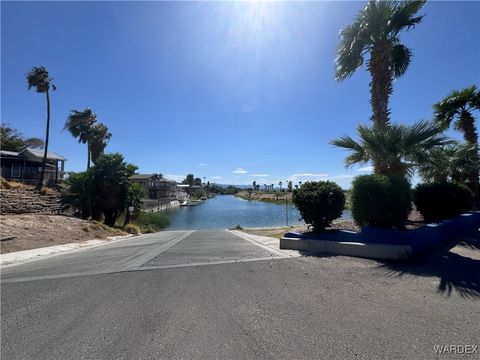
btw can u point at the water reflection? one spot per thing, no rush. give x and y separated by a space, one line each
227 211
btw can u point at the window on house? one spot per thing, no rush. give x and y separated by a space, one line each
15 170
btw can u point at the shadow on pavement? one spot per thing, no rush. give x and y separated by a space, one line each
455 272
471 241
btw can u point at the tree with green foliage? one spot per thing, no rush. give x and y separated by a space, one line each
80 194
12 140
189 180
199 193
448 163
98 140
112 182
135 195
254 184
79 124
229 190
458 107
290 186
376 31
106 188
397 150
39 78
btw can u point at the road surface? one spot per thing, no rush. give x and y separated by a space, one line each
216 295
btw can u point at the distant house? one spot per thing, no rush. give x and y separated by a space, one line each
26 165
158 187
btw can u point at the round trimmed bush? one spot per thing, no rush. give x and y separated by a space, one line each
439 201
319 203
380 200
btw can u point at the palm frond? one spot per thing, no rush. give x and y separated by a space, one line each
39 79
453 104
357 151
79 124
349 52
403 16
401 58
397 150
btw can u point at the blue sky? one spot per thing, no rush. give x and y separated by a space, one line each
230 91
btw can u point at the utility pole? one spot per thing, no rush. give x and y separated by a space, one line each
286 207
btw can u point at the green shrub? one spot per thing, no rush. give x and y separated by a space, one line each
132 229
152 221
319 203
148 230
438 201
381 201
198 193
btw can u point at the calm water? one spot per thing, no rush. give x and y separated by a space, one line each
227 211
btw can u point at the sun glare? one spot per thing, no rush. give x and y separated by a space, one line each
252 24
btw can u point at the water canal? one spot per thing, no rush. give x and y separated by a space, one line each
228 211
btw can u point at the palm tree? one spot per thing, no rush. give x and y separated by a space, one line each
459 107
80 124
39 79
254 184
447 163
398 148
98 140
280 185
376 31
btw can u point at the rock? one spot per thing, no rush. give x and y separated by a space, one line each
23 201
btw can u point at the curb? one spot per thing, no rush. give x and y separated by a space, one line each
356 249
25 256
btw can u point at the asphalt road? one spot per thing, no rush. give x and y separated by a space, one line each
216 295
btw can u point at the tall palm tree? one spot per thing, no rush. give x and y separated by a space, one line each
376 31
399 147
458 107
39 79
79 124
98 140
280 185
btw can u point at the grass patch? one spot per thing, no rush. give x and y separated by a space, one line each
5 184
151 222
47 191
98 226
132 229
